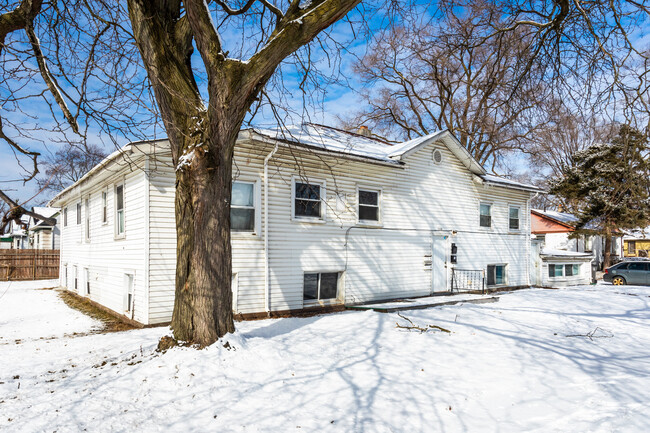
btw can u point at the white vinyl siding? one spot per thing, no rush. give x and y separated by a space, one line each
416 204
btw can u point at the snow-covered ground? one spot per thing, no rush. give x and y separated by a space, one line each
507 366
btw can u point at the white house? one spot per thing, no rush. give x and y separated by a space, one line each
17 233
43 236
319 217
560 260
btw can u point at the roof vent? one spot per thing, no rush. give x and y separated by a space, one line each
363 130
437 156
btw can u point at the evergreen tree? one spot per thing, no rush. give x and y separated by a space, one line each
608 186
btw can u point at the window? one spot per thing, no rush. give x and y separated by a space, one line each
308 200
128 293
104 208
78 213
486 215
320 286
637 266
119 210
496 275
513 220
66 282
242 207
87 279
65 217
76 280
631 247
563 270
87 220
368 205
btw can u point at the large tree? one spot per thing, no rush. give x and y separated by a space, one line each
201 99
608 186
203 133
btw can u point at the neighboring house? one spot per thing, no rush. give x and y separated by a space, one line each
43 236
636 243
17 233
319 217
560 260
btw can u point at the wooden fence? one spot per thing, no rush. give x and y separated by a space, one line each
17 265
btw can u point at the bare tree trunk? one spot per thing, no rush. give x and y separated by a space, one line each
203 307
203 138
607 253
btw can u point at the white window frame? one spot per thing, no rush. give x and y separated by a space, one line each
104 207
380 194
323 199
79 212
563 265
87 281
87 219
514 206
257 203
129 289
118 234
75 280
65 216
340 285
487 203
505 275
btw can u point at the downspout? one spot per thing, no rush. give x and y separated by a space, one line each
267 291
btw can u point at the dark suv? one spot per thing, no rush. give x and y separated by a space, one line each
635 273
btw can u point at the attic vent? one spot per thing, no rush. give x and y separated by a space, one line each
437 156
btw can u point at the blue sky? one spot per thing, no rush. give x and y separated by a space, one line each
339 100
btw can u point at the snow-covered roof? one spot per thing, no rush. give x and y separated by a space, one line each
637 234
350 144
333 140
337 140
563 217
47 212
567 218
490 178
548 252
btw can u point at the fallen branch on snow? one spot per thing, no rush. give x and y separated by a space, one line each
591 335
413 326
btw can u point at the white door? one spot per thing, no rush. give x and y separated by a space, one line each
438 264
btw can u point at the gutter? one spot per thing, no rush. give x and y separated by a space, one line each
267 291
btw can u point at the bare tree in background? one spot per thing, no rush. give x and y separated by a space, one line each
68 165
508 76
448 75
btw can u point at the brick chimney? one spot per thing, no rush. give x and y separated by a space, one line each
363 130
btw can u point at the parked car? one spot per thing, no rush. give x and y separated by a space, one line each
628 272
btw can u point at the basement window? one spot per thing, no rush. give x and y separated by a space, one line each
496 275
320 286
242 207
563 270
